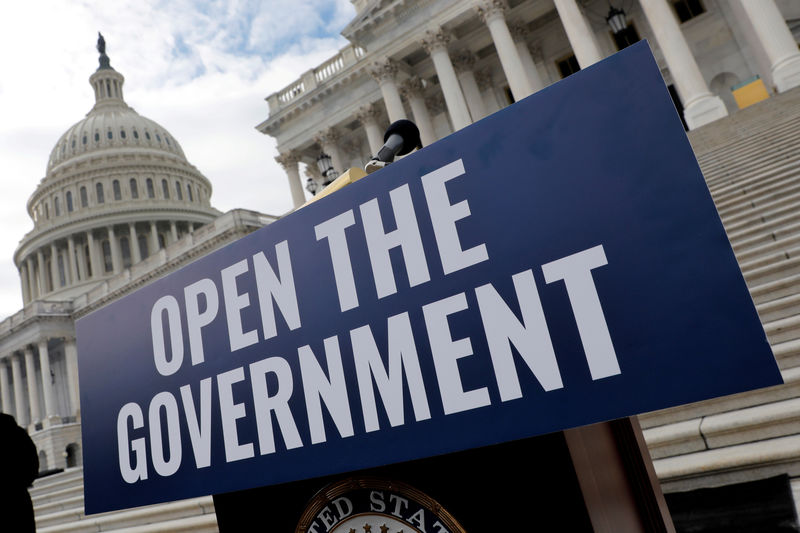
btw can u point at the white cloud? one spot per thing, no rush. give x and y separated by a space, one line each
201 69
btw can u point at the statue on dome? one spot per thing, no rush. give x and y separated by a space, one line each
101 47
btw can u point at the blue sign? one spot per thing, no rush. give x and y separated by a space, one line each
558 263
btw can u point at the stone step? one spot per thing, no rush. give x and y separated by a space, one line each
779 308
773 272
64 504
57 495
783 330
771 151
764 206
769 227
772 290
66 477
770 245
758 183
172 516
769 257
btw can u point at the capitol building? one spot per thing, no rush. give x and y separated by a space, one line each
120 206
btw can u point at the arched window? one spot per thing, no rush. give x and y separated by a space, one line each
145 253
84 197
151 193
107 262
69 202
134 189
72 455
57 205
100 197
165 188
117 190
178 190
189 192
125 246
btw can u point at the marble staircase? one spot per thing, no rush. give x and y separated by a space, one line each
751 163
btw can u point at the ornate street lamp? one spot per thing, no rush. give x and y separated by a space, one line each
616 19
311 186
325 166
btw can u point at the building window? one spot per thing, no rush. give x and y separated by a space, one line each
151 193
122 133
57 206
96 137
84 197
47 211
143 246
178 190
62 276
69 201
100 197
88 260
110 135
135 134
134 189
189 192
117 190
688 9
568 65
108 265
125 247
165 188
626 37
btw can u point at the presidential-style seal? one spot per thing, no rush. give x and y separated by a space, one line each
374 505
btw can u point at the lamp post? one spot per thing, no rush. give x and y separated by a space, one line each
325 165
312 186
616 19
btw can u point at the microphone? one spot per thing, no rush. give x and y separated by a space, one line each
400 138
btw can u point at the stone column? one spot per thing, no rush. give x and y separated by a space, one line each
33 289
368 117
5 391
54 277
23 277
519 33
33 389
464 62
51 416
42 273
414 91
116 255
289 161
173 231
699 106
154 236
385 73
492 14
71 355
136 255
777 41
97 268
72 260
19 396
580 35
327 140
435 43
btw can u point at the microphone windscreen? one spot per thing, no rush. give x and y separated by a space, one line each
408 131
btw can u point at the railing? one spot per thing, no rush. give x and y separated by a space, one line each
316 77
33 309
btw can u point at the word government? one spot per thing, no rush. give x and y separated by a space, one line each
265 387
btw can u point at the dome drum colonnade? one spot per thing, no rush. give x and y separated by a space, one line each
453 60
117 189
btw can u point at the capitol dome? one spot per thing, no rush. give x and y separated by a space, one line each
117 189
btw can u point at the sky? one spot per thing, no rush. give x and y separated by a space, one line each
202 69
